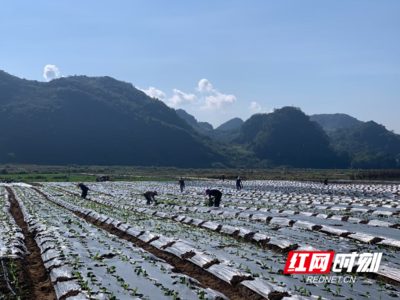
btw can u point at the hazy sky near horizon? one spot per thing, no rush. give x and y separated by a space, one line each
219 59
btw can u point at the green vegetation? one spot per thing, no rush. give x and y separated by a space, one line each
72 178
96 121
202 127
288 137
47 177
331 122
225 133
75 173
376 175
370 145
232 124
102 121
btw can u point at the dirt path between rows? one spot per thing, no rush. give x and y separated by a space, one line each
233 292
37 280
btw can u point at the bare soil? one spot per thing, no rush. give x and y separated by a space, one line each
35 282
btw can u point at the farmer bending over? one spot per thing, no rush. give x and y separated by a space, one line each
150 197
84 189
214 195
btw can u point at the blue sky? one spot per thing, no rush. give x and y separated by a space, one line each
214 58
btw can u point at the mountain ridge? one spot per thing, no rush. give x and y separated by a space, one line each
95 120
230 124
102 121
332 122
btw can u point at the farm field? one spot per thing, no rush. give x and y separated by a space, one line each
55 245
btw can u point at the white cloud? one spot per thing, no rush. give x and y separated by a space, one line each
154 93
181 98
207 97
214 99
204 86
218 101
255 107
51 72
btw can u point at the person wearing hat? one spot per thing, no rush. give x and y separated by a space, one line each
84 189
214 197
150 197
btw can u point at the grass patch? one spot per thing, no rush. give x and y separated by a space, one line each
76 173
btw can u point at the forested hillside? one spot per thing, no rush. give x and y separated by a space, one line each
288 137
232 124
84 120
202 127
331 122
371 145
102 121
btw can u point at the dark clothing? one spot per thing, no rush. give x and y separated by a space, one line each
217 200
84 189
181 184
239 184
217 197
215 193
326 181
149 197
223 177
150 194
